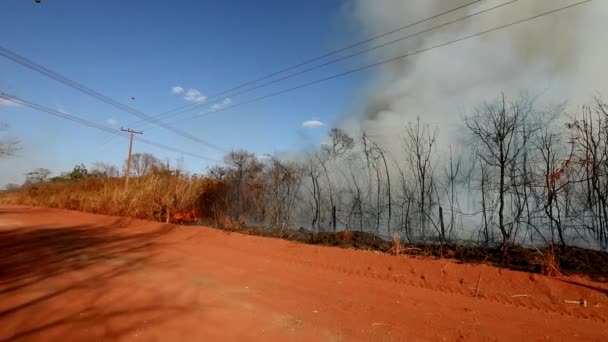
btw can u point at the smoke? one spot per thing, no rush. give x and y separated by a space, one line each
556 57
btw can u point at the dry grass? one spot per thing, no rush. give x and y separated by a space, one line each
233 225
550 263
396 247
159 197
346 235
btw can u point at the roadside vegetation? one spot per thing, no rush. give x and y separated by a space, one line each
526 187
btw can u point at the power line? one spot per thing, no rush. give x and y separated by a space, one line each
191 106
13 56
369 66
91 124
350 47
247 90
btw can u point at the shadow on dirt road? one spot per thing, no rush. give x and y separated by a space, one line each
53 278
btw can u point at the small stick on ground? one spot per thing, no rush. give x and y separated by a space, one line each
580 302
444 267
520 295
477 288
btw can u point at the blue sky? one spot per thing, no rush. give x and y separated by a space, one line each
138 49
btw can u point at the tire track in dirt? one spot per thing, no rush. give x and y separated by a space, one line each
421 283
498 298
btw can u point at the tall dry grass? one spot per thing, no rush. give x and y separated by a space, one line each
157 196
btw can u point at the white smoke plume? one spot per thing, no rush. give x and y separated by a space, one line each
559 57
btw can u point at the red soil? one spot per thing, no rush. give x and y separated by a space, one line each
80 277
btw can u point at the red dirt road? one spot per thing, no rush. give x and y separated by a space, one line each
69 276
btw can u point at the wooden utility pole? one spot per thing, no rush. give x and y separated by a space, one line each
128 173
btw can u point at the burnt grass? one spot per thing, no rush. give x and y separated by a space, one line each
572 260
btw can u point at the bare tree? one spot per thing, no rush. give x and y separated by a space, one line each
242 168
590 133
36 176
12 187
282 191
418 145
357 199
406 200
556 160
500 138
486 204
100 169
144 163
375 158
340 145
339 142
452 174
217 172
312 171
321 159
8 147
389 196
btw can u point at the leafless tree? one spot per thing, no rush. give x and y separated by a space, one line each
419 144
339 142
557 163
39 175
339 146
452 172
12 187
487 205
217 172
405 200
371 162
376 161
143 163
8 147
312 171
590 134
498 131
283 181
357 199
104 170
242 171
389 196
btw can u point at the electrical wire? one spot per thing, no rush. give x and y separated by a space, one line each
91 124
13 56
192 106
247 90
369 66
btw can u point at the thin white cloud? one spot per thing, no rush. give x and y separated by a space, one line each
225 103
5 102
177 90
312 124
193 95
112 121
